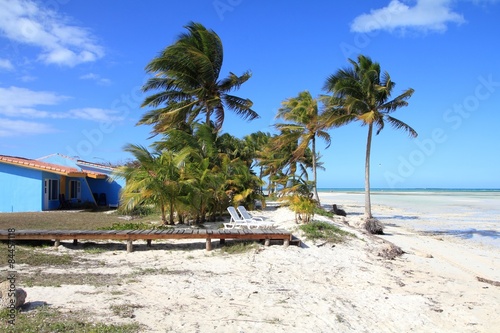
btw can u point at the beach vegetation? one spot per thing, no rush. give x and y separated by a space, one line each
134 226
362 93
304 207
318 230
26 254
194 172
238 247
47 319
304 123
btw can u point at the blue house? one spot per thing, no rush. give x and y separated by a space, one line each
48 183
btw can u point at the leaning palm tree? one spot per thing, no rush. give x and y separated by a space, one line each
363 93
186 83
309 123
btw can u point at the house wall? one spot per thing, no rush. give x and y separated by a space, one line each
85 191
21 189
111 186
112 190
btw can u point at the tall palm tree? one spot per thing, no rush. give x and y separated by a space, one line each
362 93
306 121
186 83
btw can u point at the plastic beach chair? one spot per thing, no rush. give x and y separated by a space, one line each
237 222
247 217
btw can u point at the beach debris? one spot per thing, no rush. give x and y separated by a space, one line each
493 283
338 211
390 251
5 301
373 226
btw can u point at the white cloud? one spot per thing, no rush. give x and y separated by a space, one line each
63 44
433 15
96 77
95 114
18 102
22 97
6 64
9 128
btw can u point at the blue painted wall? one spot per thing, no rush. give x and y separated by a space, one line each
21 189
111 187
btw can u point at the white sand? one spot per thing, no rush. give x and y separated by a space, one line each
345 288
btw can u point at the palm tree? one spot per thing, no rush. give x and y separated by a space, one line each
363 93
154 179
255 146
187 84
308 123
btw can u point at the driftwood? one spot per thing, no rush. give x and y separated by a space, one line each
494 283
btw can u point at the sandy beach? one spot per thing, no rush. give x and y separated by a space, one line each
178 286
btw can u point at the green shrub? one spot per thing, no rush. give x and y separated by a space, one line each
317 230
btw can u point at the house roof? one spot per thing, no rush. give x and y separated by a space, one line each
54 168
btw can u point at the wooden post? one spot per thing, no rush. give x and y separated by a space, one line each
148 241
75 242
267 242
209 244
222 241
130 246
57 243
286 242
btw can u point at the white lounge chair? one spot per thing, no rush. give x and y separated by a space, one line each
237 222
247 217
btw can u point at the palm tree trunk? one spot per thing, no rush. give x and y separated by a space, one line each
368 205
315 174
171 211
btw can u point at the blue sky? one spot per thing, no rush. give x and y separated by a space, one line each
71 72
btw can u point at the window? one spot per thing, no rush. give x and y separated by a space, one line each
53 189
74 189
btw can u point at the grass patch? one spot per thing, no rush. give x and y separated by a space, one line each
94 250
239 247
317 230
135 226
125 310
321 211
42 279
65 220
47 320
29 256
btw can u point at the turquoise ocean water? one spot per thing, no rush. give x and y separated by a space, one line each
471 214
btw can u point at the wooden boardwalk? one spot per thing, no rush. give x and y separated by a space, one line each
131 235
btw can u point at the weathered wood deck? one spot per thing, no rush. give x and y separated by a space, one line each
131 235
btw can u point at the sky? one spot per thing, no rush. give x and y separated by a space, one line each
71 73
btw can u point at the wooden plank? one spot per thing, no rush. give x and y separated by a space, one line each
131 235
